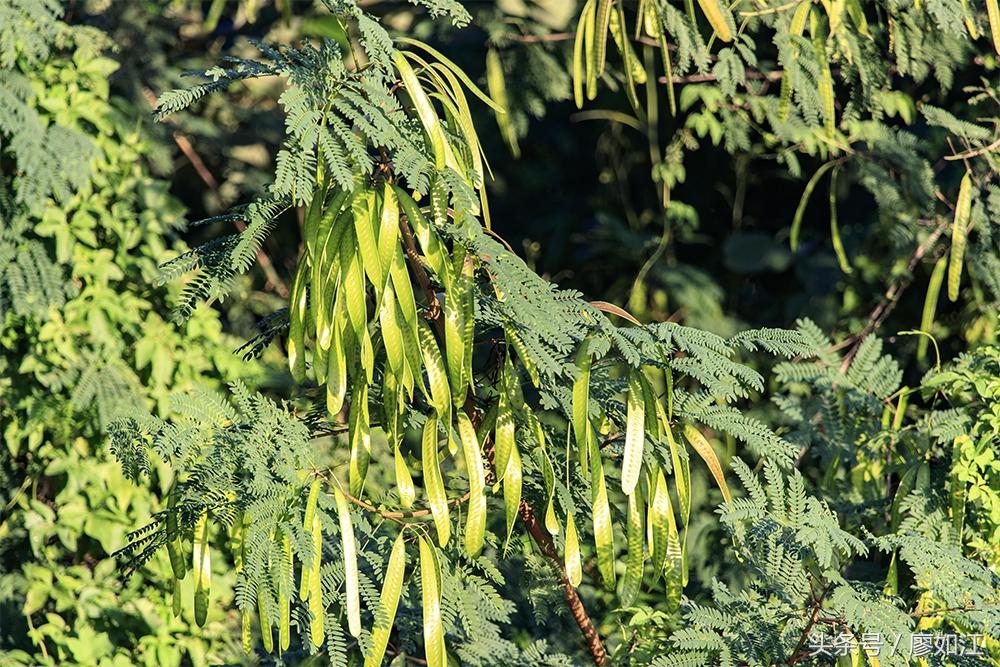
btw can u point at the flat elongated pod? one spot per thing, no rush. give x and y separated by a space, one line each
574 568
317 609
202 568
307 525
634 434
359 426
993 13
388 602
497 84
930 305
825 83
959 232
365 210
636 556
263 613
174 549
388 230
475 523
437 375
512 481
336 371
425 110
455 329
296 326
659 517
603 530
285 569
504 440
404 481
433 484
350 550
719 18
581 403
430 582
707 454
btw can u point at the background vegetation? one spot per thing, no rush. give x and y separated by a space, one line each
827 171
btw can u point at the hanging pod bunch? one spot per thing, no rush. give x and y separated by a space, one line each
354 298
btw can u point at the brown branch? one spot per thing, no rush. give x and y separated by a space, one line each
433 306
576 608
817 608
187 148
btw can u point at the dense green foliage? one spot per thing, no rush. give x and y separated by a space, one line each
83 226
469 463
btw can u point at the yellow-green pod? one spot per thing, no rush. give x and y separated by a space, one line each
504 435
581 403
475 523
443 155
795 28
825 83
600 34
705 451
579 78
364 228
719 18
497 85
574 567
634 530
266 633
404 481
993 13
296 324
245 628
959 232
353 286
176 602
388 602
336 371
202 568
315 588
930 305
307 525
430 583
433 484
350 551
388 231
360 437
603 531
634 434
512 480
437 376
174 548
588 18
403 288
284 594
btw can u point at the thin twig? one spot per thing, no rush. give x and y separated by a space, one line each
817 608
707 78
889 300
410 514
